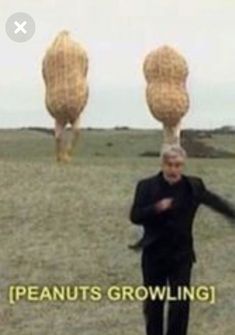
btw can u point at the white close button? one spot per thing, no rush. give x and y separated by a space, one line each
20 27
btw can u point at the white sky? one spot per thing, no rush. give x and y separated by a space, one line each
117 35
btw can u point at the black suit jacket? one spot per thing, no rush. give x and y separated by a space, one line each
143 212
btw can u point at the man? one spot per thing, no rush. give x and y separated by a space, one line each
165 205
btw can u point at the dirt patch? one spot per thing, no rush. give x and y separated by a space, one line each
192 142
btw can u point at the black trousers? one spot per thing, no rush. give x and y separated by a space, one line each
162 272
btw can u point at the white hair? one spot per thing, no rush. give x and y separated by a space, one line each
172 150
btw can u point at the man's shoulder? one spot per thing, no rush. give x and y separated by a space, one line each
195 181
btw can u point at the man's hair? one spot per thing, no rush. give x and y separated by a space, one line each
172 150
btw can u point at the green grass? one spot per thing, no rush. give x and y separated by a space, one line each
222 142
68 224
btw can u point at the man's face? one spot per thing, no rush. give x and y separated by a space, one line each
172 168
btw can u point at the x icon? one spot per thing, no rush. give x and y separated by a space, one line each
20 27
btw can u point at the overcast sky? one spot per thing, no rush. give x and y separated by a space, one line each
117 35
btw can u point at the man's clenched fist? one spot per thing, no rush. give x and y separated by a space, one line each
163 204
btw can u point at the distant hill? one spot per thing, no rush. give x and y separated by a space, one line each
193 140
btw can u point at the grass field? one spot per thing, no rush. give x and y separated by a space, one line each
68 225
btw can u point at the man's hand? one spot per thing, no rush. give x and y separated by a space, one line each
163 204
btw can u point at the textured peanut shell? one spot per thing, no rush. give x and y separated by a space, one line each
168 103
165 63
65 68
166 72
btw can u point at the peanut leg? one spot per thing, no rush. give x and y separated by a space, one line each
172 134
75 132
61 155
